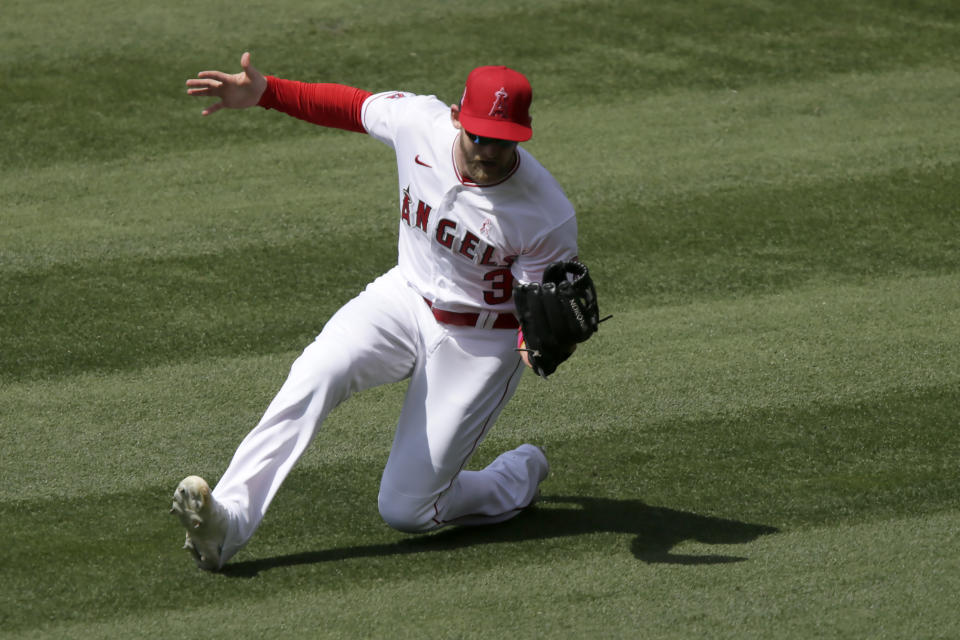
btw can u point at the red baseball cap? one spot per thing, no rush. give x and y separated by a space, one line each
496 104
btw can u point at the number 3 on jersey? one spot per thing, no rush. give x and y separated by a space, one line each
501 286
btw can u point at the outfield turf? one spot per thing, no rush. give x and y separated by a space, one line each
763 442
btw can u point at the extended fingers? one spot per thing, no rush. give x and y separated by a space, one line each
203 82
203 87
215 75
235 90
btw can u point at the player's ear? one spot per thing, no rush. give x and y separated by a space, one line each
455 115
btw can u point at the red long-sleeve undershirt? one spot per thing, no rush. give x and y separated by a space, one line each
325 104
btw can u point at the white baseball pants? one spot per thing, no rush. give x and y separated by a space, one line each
460 380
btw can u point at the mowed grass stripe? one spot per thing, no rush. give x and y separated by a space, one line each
64 93
891 455
821 346
325 183
831 581
677 142
134 312
875 458
657 151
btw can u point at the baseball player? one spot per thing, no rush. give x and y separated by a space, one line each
476 213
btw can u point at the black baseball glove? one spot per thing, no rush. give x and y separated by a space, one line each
556 314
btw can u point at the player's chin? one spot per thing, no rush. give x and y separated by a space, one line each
486 172
478 174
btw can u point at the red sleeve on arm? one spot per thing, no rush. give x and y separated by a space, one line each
329 105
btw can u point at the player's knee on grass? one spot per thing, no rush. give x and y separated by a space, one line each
406 513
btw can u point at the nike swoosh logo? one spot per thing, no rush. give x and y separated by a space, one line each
421 162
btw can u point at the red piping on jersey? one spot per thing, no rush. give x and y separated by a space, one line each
325 104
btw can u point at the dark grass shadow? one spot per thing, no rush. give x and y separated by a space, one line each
657 529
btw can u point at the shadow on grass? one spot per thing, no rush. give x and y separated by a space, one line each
658 530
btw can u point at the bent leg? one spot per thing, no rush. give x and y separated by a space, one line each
513 481
456 393
497 493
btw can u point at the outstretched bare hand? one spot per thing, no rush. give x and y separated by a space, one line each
235 90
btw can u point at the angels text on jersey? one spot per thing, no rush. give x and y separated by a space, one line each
463 243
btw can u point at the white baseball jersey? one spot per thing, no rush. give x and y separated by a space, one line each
461 245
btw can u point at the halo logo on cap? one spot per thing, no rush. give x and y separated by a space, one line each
499 108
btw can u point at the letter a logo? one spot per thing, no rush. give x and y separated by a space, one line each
499 108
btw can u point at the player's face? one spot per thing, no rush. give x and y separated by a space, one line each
486 160
483 160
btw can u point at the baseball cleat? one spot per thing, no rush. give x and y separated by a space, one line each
204 518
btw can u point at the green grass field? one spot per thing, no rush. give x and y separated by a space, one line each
763 442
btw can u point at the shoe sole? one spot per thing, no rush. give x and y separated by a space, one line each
192 505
